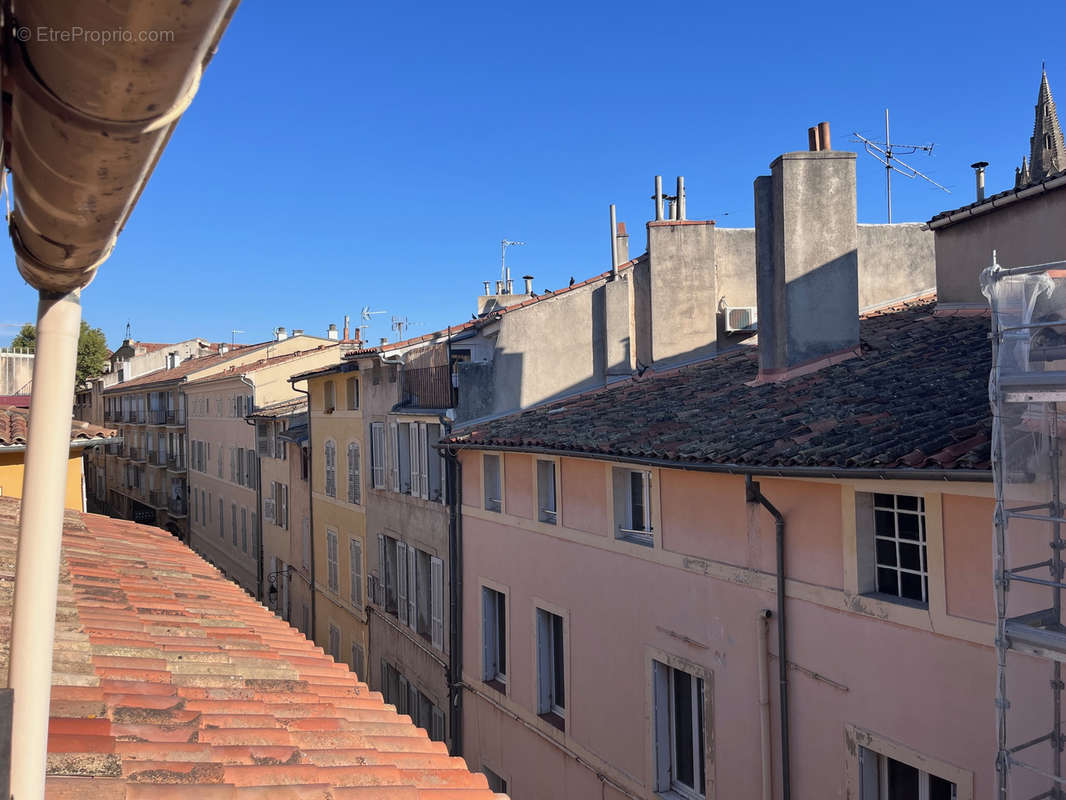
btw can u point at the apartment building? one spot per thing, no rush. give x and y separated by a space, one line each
225 508
282 447
144 478
639 560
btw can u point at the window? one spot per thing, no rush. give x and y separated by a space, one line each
305 463
355 491
264 442
494 637
496 783
279 493
329 397
493 491
884 778
434 465
305 541
551 671
233 509
352 390
335 642
280 445
546 509
244 530
387 577
632 505
221 520
899 546
407 457
355 572
331 561
331 469
679 732
358 661
394 460
377 454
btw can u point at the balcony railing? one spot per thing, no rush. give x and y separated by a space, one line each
157 416
157 458
176 462
428 387
176 417
134 454
177 507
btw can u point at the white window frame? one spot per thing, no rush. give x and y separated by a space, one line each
547 515
664 720
625 527
494 504
377 454
436 608
547 664
491 644
394 456
894 541
355 572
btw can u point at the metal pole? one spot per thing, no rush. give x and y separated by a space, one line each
40 537
658 198
1056 575
614 244
680 196
888 168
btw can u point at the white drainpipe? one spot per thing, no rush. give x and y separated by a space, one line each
40 534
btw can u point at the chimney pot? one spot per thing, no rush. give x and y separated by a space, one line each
680 197
824 141
529 283
499 287
488 288
332 332
346 321
384 339
280 334
979 173
297 331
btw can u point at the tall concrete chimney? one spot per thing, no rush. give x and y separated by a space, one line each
979 170
622 243
806 261
347 320
332 332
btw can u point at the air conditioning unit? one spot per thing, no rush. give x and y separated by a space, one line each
268 509
740 319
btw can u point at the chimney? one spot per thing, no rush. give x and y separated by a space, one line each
332 332
529 283
346 321
297 331
280 334
979 170
680 202
384 340
818 138
622 239
658 198
806 261
499 287
510 284
614 244
488 288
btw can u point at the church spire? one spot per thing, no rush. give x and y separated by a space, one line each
1047 154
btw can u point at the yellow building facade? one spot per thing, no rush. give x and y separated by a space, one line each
12 470
339 456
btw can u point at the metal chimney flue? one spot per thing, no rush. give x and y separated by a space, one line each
332 332
347 320
818 137
488 288
529 283
680 202
499 287
614 243
658 198
979 173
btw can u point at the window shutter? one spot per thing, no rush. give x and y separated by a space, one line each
306 533
401 584
394 456
488 635
436 568
380 599
412 591
261 438
355 569
423 460
285 506
403 703
416 482
544 632
661 687
232 465
413 705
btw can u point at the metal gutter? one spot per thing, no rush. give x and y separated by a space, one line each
998 202
311 511
839 473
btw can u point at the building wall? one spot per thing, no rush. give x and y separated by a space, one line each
209 533
1029 231
12 472
16 372
334 514
864 668
895 261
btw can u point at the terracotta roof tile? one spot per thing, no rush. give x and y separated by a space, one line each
170 681
186 367
15 426
917 397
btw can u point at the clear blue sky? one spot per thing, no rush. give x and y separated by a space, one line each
344 154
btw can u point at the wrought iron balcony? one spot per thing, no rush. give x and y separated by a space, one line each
176 462
428 387
157 458
176 417
134 454
157 416
176 506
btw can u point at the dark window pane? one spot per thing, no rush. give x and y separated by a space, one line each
907 502
886 553
557 652
902 781
636 490
683 726
501 627
911 586
909 526
910 556
699 730
940 789
887 581
885 523
884 501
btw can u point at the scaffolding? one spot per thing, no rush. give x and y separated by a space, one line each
1027 391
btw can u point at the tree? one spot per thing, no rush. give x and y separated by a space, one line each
92 349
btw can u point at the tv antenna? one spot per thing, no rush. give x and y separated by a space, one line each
885 152
399 324
505 274
368 315
233 336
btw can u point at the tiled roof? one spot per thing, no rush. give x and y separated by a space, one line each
916 398
170 682
263 363
15 425
184 368
992 201
285 408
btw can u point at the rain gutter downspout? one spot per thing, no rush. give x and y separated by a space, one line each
765 747
311 509
33 621
754 495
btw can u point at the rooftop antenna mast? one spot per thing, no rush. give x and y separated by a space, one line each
505 274
368 315
233 336
885 152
